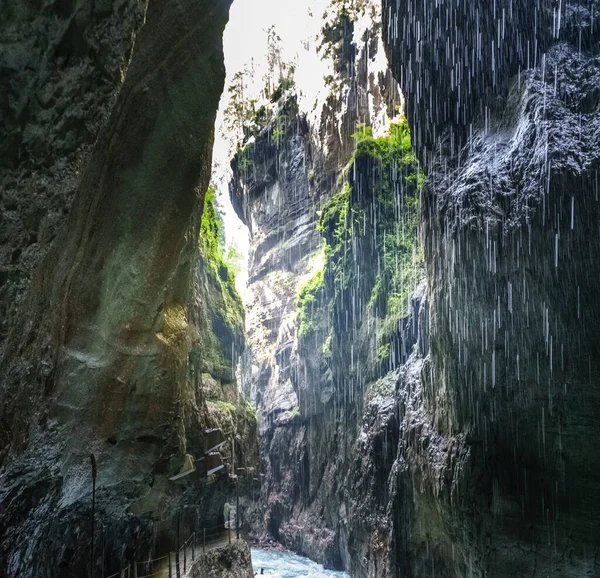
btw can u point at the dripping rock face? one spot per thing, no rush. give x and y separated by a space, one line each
323 198
422 339
103 354
489 407
503 100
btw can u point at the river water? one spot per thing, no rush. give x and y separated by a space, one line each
289 565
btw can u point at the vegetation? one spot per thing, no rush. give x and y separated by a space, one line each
248 114
397 208
284 84
372 254
309 297
337 36
213 245
249 411
279 128
241 109
224 406
222 315
246 411
280 74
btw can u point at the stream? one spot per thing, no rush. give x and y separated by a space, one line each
289 565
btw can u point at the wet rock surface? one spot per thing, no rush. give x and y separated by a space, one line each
475 457
463 445
118 344
509 389
231 561
301 372
61 67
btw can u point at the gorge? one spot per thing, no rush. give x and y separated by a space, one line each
409 384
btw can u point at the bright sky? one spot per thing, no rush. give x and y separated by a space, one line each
297 22
245 36
245 43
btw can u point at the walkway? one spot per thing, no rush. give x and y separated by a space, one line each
166 566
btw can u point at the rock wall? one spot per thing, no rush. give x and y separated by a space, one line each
323 205
118 344
61 68
232 561
497 475
464 446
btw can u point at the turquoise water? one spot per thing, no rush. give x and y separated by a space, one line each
288 565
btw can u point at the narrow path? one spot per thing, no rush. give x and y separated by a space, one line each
189 554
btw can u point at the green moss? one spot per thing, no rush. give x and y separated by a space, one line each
210 229
383 353
249 411
279 128
246 411
221 324
295 412
212 244
309 298
224 406
371 224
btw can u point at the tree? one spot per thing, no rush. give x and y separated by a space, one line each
274 61
241 109
280 74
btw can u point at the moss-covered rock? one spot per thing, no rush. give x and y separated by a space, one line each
220 312
373 258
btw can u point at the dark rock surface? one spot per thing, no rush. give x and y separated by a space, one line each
503 478
310 399
60 69
274 195
108 352
231 561
477 456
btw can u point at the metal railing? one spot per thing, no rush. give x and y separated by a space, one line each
176 564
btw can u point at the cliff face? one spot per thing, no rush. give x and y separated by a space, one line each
499 474
130 324
452 432
61 67
273 192
333 215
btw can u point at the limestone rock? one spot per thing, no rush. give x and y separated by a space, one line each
97 361
231 561
509 145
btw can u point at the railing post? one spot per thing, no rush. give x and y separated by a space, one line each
204 541
135 570
237 508
170 567
103 548
122 572
184 558
177 568
229 529
193 545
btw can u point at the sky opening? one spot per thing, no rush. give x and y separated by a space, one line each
245 45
